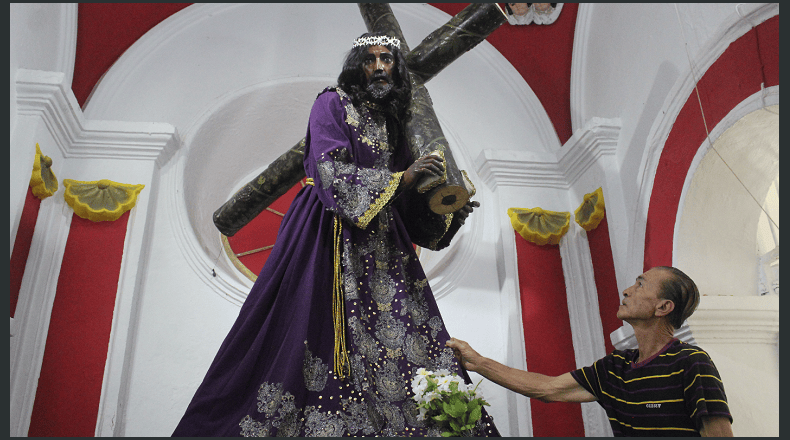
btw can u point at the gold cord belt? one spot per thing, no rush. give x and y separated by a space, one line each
342 367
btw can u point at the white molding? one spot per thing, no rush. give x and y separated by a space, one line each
498 168
67 53
623 338
587 329
34 308
579 62
584 316
722 320
736 320
22 139
45 95
519 406
674 102
598 138
117 371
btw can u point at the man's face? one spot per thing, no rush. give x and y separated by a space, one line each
641 301
377 65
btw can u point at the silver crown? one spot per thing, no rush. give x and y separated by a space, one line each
382 40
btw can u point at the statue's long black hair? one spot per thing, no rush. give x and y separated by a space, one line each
352 79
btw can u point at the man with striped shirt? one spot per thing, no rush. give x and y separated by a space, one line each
663 388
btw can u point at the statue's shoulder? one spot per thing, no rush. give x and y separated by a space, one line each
336 91
333 98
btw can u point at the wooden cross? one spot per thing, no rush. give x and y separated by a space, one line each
442 194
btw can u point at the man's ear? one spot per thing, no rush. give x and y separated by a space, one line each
664 307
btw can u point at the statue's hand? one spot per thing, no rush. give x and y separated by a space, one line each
467 209
426 165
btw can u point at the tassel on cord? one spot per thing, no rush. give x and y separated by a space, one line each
342 368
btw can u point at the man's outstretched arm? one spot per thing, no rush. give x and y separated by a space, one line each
563 388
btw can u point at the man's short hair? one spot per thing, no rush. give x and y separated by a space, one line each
681 290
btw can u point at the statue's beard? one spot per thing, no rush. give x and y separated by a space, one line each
377 91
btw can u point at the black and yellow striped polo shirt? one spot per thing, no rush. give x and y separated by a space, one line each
661 396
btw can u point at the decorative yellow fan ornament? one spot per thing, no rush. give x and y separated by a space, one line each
540 226
43 182
103 200
590 213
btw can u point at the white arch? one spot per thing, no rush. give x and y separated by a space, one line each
699 210
662 126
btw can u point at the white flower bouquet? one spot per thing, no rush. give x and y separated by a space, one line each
446 400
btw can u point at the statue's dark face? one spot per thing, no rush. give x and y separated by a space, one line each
378 65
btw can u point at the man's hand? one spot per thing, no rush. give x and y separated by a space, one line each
562 388
466 355
467 209
426 165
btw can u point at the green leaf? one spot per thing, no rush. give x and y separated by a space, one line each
447 434
440 418
475 414
458 408
451 409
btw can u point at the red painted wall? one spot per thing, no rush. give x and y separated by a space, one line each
24 236
749 61
547 332
69 387
542 55
605 280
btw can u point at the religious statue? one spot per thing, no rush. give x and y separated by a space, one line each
342 316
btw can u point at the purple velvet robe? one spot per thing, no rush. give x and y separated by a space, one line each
273 374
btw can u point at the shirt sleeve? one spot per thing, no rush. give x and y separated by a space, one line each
703 389
588 378
355 193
